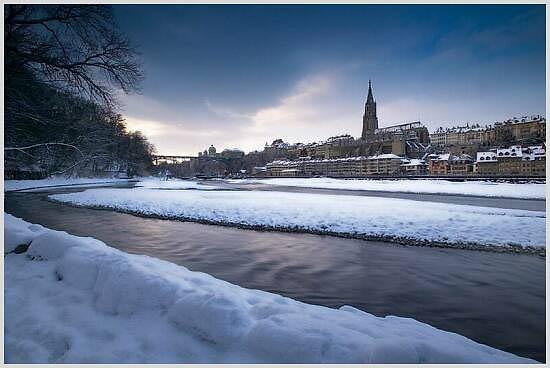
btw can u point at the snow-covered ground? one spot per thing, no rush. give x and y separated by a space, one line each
472 188
70 299
11 185
154 183
343 214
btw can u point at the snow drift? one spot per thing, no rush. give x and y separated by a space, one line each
70 299
385 218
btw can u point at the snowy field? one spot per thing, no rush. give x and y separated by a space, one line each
70 299
389 218
11 185
472 188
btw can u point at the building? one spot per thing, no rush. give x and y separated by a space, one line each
439 164
534 159
370 120
462 164
469 138
414 167
282 167
524 130
359 166
486 163
407 139
212 150
232 153
385 164
510 160
515 160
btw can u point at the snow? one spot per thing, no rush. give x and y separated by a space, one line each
342 214
59 181
470 188
174 184
414 162
71 299
487 156
442 157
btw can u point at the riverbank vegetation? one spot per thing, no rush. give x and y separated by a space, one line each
64 67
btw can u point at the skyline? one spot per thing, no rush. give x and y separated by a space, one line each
241 76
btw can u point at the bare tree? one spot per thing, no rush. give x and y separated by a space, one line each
64 65
76 48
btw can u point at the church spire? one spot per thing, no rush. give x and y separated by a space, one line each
370 98
370 120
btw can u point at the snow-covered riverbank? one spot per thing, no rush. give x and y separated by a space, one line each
471 188
173 184
359 216
12 185
70 299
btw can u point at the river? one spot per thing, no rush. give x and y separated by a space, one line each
493 298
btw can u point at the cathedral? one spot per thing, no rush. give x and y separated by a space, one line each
370 120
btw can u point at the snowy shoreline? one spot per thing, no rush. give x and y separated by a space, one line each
533 191
392 240
370 218
51 183
72 299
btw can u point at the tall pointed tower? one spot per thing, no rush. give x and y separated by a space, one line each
370 121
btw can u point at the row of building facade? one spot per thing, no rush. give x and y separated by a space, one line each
512 161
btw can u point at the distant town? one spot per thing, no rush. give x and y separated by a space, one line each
511 148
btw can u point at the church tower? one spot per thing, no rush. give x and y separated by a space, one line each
370 121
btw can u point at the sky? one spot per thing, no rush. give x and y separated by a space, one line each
238 76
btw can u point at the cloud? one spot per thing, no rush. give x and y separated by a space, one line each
150 128
176 139
299 108
312 109
224 112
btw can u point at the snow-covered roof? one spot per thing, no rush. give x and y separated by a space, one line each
441 157
307 160
486 157
536 150
461 157
513 151
384 156
523 119
414 162
533 152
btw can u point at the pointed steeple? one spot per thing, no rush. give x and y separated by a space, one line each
370 98
370 120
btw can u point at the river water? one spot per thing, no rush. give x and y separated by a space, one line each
493 298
